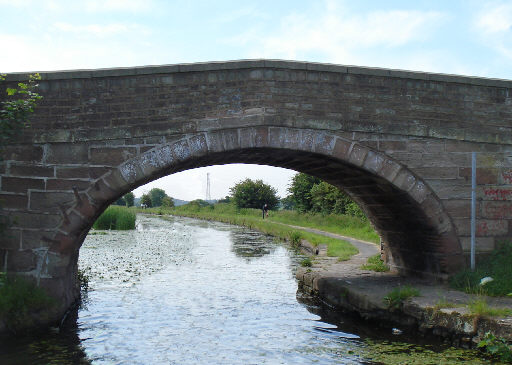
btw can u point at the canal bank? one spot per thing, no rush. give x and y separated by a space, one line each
438 310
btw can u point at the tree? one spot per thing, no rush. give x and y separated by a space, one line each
288 203
327 199
253 194
300 191
145 200
167 202
16 109
156 195
129 199
120 202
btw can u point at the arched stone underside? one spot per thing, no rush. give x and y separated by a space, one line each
406 213
398 142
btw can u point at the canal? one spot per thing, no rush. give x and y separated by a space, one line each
183 291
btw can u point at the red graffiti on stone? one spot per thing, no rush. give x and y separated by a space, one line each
497 210
507 176
498 194
489 228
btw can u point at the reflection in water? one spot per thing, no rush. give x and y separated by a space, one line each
189 292
250 244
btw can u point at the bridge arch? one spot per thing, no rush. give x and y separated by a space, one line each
407 214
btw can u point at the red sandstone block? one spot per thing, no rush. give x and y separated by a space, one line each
13 201
111 156
23 153
374 161
307 140
216 142
420 191
436 172
75 224
404 180
389 169
81 172
261 137
32 171
496 209
67 153
21 261
358 155
64 244
387 146
85 208
198 146
21 185
100 193
482 244
276 137
324 143
67 184
50 202
35 239
341 148
483 175
458 208
11 239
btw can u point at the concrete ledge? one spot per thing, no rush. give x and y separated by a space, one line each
261 63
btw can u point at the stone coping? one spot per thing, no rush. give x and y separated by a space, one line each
258 64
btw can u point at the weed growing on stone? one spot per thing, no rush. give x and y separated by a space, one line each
295 237
19 300
375 263
479 307
397 296
306 262
496 346
498 266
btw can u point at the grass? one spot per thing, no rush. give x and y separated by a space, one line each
375 263
19 300
397 296
251 218
498 266
479 307
306 262
116 217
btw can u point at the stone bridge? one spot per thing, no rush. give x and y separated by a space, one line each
399 143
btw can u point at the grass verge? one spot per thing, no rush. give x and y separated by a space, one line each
116 217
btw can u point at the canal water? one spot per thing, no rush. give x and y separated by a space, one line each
183 291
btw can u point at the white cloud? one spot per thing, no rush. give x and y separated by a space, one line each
496 20
134 6
494 24
340 36
98 29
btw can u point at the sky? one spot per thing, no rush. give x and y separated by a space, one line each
470 37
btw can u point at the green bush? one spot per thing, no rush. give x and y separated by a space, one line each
396 297
116 217
498 266
19 299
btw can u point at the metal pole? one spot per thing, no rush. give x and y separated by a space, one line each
473 208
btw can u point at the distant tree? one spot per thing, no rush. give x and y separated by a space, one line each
327 199
146 200
120 202
288 203
253 194
167 202
129 199
156 195
227 199
300 191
